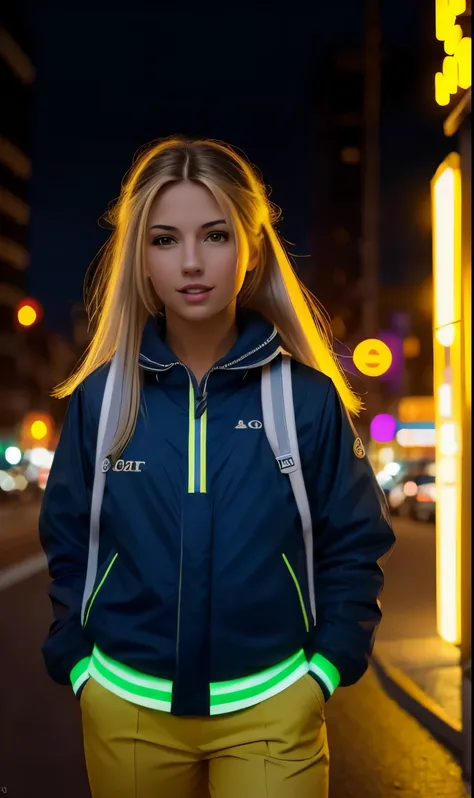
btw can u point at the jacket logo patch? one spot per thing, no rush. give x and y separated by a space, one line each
122 465
359 450
286 462
251 425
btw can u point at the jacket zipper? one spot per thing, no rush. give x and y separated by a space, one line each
233 367
199 409
180 585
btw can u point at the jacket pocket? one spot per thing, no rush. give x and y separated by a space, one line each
99 587
298 590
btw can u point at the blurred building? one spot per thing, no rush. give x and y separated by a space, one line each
64 355
17 76
403 302
32 359
338 124
408 315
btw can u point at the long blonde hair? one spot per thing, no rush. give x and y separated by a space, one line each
121 296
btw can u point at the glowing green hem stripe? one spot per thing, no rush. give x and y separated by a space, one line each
278 687
326 671
98 588
157 690
229 696
252 686
191 439
300 595
80 673
127 695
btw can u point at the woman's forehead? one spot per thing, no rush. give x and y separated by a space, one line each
183 203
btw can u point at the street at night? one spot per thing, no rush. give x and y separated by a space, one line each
378 750
235 386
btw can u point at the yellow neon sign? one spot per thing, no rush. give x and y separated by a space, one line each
454 36
464 58
372 357
445 19
456 69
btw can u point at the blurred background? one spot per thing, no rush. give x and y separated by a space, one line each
358 115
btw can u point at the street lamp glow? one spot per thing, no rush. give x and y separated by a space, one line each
39 430
27 315
13 455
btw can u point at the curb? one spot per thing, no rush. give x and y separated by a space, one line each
415 701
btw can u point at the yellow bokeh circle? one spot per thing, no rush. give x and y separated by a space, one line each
39 430
372 357
27 316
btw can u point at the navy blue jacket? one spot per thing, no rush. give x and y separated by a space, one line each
202 576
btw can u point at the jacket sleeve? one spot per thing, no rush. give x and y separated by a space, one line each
352 533
64 536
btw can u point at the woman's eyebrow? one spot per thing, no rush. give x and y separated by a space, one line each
203 226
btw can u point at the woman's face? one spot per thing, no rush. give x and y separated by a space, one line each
191 252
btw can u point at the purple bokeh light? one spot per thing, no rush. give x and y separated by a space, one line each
383 428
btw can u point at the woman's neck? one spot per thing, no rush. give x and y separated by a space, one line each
200 344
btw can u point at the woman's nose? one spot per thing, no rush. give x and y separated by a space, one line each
191 264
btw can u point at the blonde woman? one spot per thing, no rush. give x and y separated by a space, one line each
198 663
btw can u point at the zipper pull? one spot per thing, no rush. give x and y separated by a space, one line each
201 405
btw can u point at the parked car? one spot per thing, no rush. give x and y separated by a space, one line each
413 495
424 506
394 473
17 486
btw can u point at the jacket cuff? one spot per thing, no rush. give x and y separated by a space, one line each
80 674
325 673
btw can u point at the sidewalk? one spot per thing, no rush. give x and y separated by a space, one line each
424 676
422 673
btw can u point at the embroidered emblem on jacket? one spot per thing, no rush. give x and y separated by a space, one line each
359 450
255 424
122 465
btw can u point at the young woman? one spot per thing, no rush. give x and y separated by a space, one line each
198 663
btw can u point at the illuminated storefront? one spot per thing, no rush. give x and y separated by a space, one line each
451 214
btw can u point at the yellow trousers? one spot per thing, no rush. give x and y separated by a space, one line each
276 749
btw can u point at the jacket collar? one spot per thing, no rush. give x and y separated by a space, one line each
258 341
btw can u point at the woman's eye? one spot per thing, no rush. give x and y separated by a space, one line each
162 241
217 238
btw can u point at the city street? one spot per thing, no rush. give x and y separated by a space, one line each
378 751
187 203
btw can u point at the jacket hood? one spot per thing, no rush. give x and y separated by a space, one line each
258 340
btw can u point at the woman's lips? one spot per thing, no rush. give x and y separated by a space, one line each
195 293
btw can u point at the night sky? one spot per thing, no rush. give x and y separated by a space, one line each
110 79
